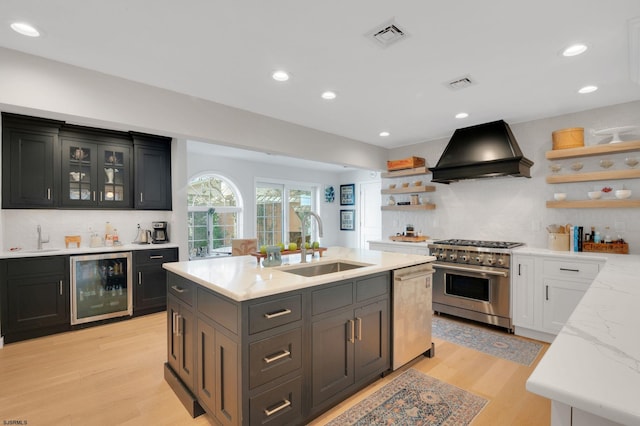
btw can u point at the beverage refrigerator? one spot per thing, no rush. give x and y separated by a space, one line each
101 287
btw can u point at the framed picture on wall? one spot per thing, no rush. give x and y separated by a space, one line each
329 194
347 220
348 194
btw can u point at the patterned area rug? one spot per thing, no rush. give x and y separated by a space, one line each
413 398
499 344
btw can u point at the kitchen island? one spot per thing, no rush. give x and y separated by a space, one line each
251 345
591 372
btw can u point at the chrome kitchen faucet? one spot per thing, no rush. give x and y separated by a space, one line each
40 240
303 218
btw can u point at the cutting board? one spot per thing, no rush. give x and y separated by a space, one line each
404 239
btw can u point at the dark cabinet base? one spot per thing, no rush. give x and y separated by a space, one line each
184 395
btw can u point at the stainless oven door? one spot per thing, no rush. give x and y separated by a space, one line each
478 289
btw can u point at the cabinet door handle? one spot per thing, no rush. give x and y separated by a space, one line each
546 292
352 331
519 265
60 287
141 197
283 354
174 315
156 257
178 289
277 314
284 404
179 325
100 196
570 270
48 193
359 336
139 278
94 195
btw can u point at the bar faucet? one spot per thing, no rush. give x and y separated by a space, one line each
40 240
303 218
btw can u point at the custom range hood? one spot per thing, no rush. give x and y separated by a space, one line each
482 151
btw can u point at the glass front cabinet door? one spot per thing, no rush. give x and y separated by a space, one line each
95 174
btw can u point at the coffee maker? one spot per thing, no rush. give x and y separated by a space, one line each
159 234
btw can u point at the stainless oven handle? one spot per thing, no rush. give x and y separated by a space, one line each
477 271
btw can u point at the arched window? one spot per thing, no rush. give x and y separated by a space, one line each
214 209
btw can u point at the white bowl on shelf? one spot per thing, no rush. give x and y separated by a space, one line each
594 195
560 196
621 194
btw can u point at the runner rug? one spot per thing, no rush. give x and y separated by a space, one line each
413 398
496 343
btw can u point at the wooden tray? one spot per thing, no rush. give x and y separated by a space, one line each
259 255
409 239
614 248
405 163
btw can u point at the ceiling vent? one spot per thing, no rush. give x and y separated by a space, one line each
460 83
386 34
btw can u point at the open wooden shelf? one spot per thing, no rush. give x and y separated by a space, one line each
407 172
590 204
410 207
591 176
590 151
409 190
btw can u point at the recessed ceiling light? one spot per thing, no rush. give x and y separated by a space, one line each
588 89
574 50
384 134
328 95
280 75
462 115
25 29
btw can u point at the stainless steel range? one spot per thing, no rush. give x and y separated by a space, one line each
472 280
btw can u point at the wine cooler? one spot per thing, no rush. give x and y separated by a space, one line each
100 287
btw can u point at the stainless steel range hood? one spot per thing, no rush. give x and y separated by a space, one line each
485 150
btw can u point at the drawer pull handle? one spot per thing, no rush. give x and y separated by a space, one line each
284 404
570 270
60 287
352 330
359 328
159 256
178 289
277 314
283 354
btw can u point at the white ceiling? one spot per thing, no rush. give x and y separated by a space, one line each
225 51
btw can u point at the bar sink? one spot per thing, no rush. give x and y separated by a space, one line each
324 268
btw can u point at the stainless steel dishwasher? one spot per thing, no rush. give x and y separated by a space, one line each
412 314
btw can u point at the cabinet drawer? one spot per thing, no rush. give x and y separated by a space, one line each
370 287
29 266
333 297
181 288
266 315
159 256
218 309
570 269
274 357
278 406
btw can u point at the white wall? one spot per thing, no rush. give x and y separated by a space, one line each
244 174
513 209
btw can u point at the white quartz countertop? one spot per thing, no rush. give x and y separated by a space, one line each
241 278
61 251
594 362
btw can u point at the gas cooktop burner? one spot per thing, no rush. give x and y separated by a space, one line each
479 243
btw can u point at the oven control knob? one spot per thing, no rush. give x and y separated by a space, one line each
442 255
490 261
464 257
501 262
452 257
479 259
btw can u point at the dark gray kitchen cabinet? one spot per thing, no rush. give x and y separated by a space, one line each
30 162
150 279
349 344
181 348
152 172
35 297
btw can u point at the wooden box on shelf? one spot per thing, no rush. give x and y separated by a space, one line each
614 248
405 163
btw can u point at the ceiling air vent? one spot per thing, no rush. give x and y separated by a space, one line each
386 34
460 83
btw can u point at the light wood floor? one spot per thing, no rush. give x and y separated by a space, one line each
112 375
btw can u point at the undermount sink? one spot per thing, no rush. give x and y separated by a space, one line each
324 268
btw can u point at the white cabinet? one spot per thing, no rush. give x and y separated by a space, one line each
546 290
523 290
